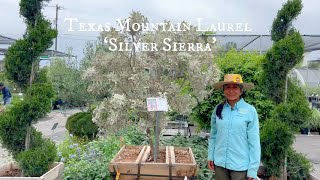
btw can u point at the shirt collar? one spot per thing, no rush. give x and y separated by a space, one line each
237 105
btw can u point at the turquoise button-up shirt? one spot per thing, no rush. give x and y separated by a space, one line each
234 141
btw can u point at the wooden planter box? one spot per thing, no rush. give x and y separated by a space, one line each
189 168
54 173
152 168
144 170
122 167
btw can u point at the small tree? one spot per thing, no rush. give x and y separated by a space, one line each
67 82
130 77
33 153
286 52
292 109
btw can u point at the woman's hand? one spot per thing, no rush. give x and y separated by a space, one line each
250 178
211 165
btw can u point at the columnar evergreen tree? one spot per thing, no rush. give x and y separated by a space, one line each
23 55
33 153
286 52
292 108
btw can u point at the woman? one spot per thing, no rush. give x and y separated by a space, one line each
234 143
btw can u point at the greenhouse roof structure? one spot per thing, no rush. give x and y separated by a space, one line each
307 76
260 43
252 43
5 42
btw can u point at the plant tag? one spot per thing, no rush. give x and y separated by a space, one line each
157 104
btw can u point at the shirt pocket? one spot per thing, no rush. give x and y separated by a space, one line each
221 124
239 124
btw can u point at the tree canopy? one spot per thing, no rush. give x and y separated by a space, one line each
132 76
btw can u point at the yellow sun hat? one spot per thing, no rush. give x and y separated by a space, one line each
233 79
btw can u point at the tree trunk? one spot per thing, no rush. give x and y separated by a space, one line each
150 142
31 75
28 135
284 166
284 175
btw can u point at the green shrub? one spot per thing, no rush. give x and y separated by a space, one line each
37 160
10 124
280 59
71 149
290 114
298 165
10 139
14 123
285 53
249 65
109 146
133 135
313 122
92 165
42 76
201 114
42 90
91 160
7 82
21 61
276 138
81 125
295 112
16 99
31 109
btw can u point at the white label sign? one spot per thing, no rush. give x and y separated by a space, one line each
157 104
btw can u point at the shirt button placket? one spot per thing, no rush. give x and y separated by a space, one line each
230 118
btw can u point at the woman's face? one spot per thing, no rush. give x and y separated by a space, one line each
232 92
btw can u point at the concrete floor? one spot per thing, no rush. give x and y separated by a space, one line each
310 146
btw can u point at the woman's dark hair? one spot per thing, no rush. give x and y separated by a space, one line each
243 94
219 109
